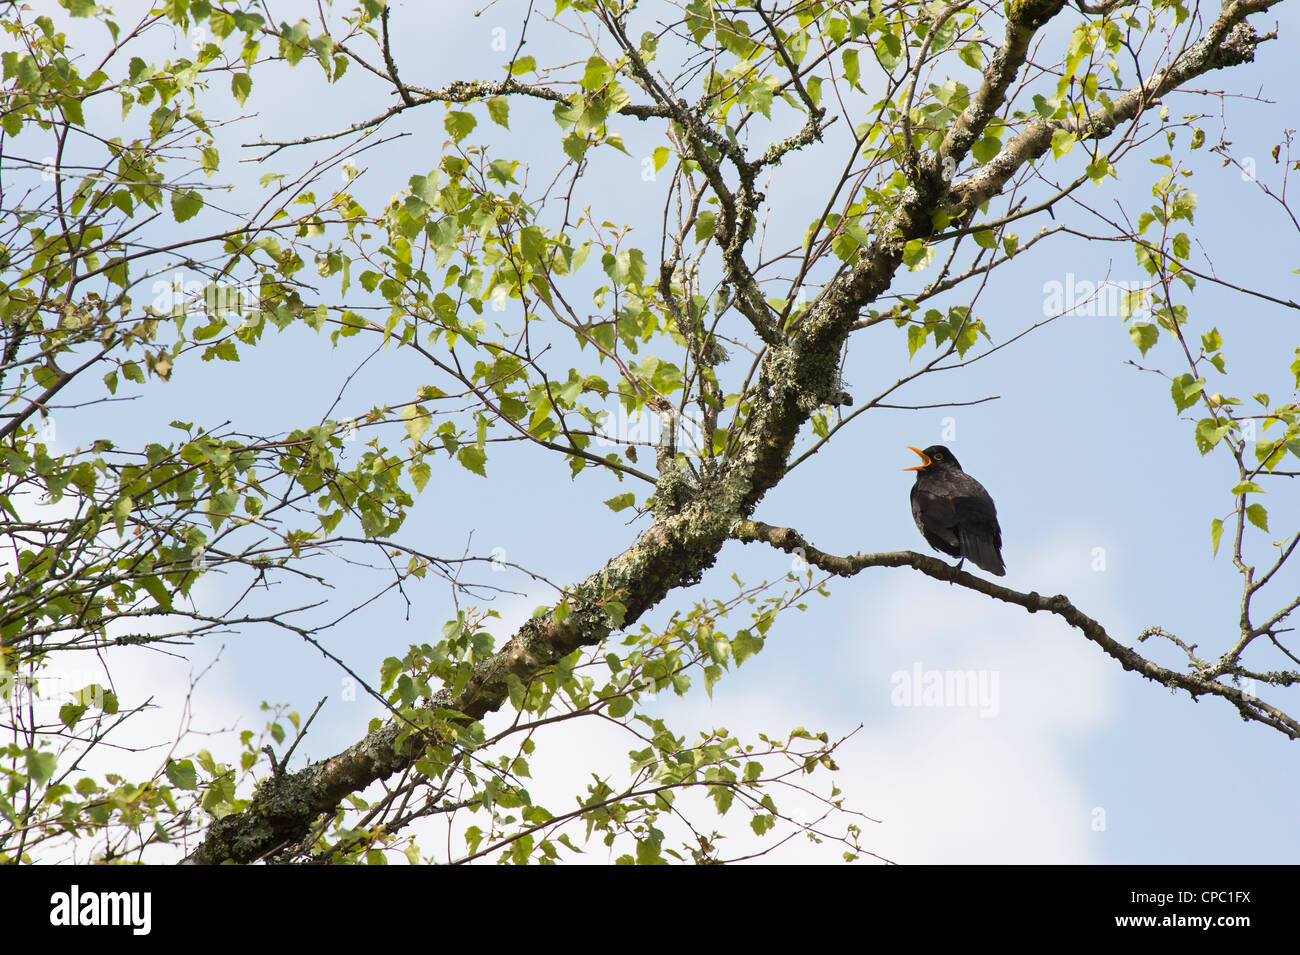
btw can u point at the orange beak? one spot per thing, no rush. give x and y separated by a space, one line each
925 460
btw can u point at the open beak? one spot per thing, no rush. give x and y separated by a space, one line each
925 460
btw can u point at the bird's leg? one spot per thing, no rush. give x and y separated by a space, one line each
959 564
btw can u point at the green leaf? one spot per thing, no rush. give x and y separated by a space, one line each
1062 142
1144 335
621 501
597 73
1099 169
186 204
916 335
985 149
889 49
241 84
626 268
616 612
575 146
503 170
70 713
1209 433
417 421
420 474
498 108
41 765
459 124
1256 514
917 255
1247 487
849 58
853 229
157 591
182 774
705 223
1216 532
121 511
472 458
744 645
1185 390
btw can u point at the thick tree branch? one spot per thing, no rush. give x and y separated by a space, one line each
1228 42
673 550
1025 21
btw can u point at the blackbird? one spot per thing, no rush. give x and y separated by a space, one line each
954 512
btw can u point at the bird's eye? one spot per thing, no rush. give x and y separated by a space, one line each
938 456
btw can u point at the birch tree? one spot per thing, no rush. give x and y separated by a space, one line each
953 139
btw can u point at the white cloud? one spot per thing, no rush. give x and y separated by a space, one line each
949 784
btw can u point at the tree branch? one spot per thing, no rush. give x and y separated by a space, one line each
1196 684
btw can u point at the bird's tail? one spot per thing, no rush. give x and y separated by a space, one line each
983 553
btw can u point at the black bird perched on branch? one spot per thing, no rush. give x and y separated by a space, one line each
954 512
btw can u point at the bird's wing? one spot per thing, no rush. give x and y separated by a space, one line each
972 503
936 518
977 522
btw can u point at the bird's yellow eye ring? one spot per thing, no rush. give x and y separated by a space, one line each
937 456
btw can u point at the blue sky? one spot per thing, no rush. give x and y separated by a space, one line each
1081 451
